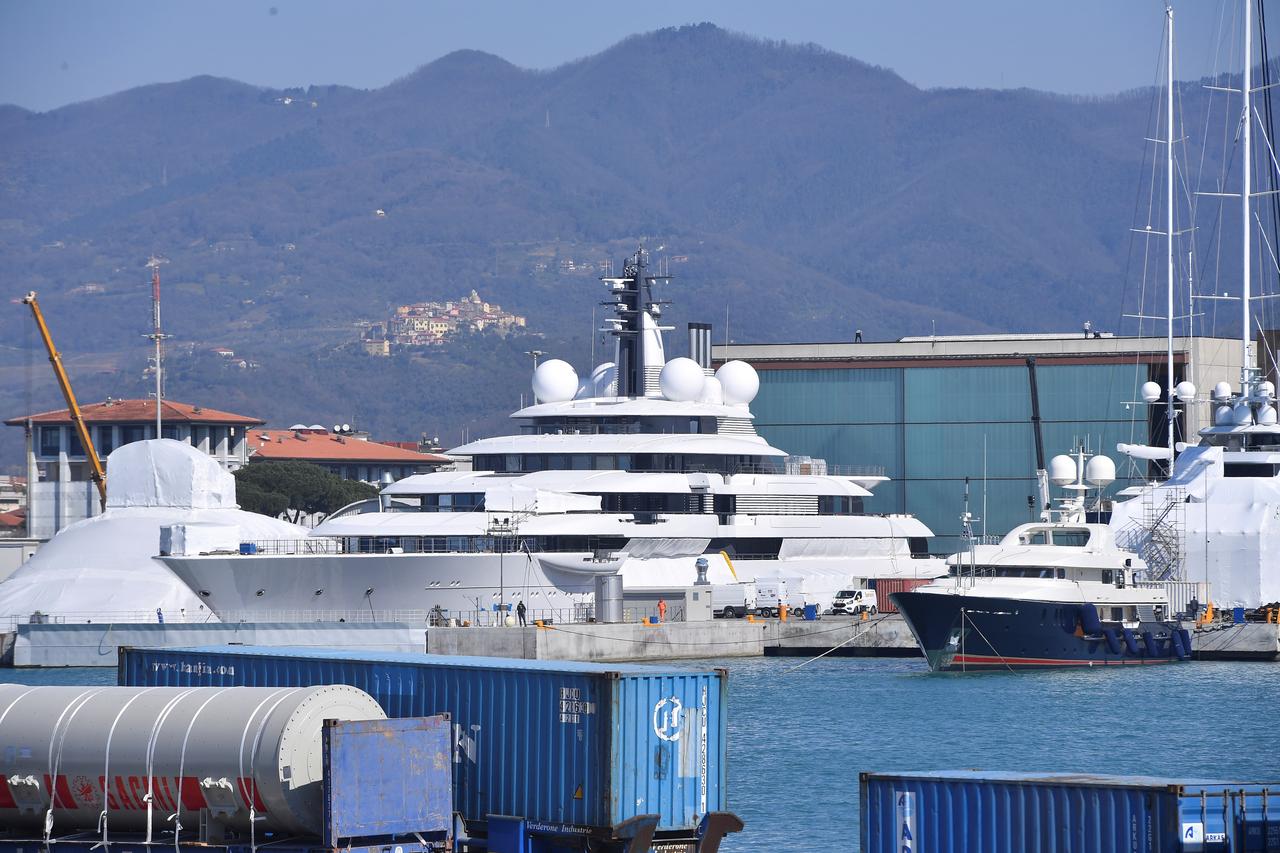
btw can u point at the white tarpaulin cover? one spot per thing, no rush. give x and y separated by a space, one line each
190 540
105 567
1231 536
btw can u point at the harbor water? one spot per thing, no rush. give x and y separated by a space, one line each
799 737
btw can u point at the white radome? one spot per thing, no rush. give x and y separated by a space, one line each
1150 392
740 382
1186 391
1222 416
555 381
1062 470
1267 416
1222 392
1267 389
681 380
1100 471
1242 415
604 379
712 391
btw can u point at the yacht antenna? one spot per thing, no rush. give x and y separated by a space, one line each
156 335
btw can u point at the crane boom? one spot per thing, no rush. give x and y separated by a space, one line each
82 429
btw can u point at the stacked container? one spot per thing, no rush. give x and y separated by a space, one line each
1064 813
571 747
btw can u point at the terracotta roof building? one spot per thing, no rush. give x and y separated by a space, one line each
349 457
61 491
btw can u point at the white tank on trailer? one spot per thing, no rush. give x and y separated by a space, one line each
142 754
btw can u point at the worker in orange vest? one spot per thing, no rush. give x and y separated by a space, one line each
662 610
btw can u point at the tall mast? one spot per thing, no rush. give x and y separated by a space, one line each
1246 201
156 335
1168 230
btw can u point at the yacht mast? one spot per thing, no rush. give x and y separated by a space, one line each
1168 230
1246 200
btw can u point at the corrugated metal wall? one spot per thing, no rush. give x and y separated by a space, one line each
583 746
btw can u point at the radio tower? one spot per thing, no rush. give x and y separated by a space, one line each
156 335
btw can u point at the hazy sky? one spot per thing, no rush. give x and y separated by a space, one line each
54 52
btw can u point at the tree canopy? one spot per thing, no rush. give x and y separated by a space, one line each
271 488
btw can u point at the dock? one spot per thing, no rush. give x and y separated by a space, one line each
880 636
1242 641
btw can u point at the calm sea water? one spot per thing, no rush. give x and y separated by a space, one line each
799 737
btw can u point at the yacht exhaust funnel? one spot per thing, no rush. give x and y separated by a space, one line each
700 344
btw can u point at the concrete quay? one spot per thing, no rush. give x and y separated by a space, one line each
1245 641
881 636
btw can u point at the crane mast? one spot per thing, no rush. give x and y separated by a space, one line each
96 471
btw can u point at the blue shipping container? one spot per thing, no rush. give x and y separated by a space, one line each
956 811
566 745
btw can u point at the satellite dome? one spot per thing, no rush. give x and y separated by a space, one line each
740 382
1266 389
681 380
1186 391
1222 416
298 426
1241 414
1150 392
1267 416
605 380
1222 392
712 391
1062 470
555 381
1100 471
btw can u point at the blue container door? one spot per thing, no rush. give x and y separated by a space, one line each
668 747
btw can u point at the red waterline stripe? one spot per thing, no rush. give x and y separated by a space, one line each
996 660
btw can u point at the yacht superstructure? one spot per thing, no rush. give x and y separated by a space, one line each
638 469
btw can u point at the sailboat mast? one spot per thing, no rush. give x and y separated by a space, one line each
1246 195
1168 230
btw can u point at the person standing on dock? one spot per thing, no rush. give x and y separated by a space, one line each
520 613
662 610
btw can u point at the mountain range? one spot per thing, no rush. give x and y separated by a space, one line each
796 194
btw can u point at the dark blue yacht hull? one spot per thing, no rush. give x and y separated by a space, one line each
976 633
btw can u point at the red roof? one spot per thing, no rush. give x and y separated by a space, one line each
13 518
326 447
139 411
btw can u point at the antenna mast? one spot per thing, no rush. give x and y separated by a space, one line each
1168 243
156 335
1246 148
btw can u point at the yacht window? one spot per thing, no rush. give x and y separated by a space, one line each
580 461
1038 537
512 462
1078 538
1062 573
1120 579
1250 469
624 461
1108 576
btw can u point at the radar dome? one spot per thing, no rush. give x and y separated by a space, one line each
1241 414
1150 392
1266 389
1062 470
681 380
1100 471
712 392
1222 392
1222 416
555 381
1186 391
740 382
604 379
1267 416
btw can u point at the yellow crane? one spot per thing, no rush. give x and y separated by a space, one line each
82 429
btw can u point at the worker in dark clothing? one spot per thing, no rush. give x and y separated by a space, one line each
520 613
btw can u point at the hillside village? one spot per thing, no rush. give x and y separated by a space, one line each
433 323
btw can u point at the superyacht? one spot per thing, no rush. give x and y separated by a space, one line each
638 469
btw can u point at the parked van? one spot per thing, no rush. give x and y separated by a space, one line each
733 600
772 594
851 602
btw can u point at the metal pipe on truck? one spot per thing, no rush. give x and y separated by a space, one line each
135 759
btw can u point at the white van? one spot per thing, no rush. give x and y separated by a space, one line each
772 594
733 600
854 601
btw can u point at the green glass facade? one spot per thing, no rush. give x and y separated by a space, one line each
930 427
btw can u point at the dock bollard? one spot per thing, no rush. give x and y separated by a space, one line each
865 616
782 612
